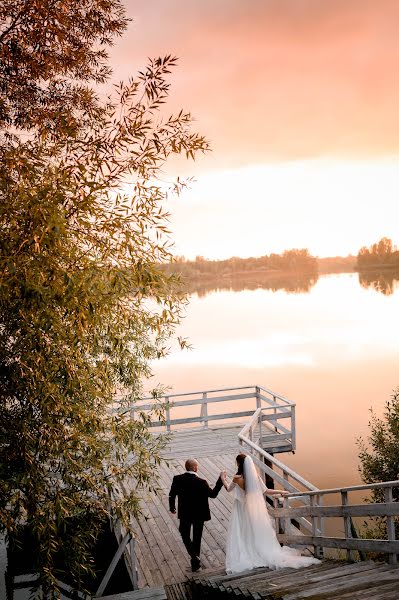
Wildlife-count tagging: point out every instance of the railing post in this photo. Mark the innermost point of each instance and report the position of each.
(294, 522)
(168, 427)
(285, 475)
(347, 525)
(204, 409)
(393, 557)
(293, 429)
(314, 501)
(276, 518)
(257, 394)
(269, 481)
(286, 520)
(321, 519)
(275, 413)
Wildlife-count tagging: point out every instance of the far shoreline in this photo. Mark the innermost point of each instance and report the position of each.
(202, 275)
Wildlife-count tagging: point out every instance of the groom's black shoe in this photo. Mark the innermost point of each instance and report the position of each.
(195, 564)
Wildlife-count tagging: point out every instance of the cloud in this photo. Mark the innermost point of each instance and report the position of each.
(277, 79)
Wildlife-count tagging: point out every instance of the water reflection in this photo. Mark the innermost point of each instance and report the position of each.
(294, 283)
(383, 281)
(334, 351)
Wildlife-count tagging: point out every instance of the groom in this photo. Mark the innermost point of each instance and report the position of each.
(193, 508)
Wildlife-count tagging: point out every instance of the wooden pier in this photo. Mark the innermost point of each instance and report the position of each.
(214, 438)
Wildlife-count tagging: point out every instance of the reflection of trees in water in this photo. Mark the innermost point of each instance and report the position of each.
(292, 283)
(384, 282)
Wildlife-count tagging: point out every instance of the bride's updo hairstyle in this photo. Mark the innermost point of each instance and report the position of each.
(240, 464)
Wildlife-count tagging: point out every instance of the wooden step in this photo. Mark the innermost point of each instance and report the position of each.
(179, 591)
(147, 593)
(331, 580)
(303, 578)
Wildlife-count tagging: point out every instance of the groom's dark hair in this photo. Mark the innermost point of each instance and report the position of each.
(240, 464)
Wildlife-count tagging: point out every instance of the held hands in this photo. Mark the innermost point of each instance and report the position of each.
(223, 475)
(283, 493)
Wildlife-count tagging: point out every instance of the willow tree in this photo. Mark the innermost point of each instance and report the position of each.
(84, 306)
(50, 53)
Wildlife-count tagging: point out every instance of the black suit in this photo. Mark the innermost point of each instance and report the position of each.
(193, 508)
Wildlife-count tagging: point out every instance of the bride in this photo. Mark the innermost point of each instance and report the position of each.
(251, 539)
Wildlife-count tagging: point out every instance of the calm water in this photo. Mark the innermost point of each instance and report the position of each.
(333, 350)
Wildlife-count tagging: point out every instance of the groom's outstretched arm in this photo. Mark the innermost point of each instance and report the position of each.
(172, 496)
(213, 492)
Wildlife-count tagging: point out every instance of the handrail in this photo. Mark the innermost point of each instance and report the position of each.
(249, 423)
(244, 387)
(275, 408)
(199, 401)
(277, 463)
(310, 516)
(315, 510)
(276, 395)
(352, 488)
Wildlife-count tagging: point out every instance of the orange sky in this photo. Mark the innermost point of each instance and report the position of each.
(275, 81)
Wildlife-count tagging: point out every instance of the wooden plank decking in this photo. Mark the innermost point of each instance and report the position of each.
(161, 556)
(331, 580)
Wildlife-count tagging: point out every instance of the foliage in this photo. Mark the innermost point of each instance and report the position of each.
(84, 304)
(50, 50)
(380, 254)
(292, 261)
(379, 460)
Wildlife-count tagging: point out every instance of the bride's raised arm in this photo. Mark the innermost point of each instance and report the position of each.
(228, 486)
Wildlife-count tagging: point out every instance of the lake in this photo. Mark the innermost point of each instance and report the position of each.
(334, 350)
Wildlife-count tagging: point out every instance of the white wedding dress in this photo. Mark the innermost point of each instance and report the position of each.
(251, 539)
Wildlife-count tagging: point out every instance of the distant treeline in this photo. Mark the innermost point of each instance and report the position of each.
(382, 254)
(294, 270)
(290, 261)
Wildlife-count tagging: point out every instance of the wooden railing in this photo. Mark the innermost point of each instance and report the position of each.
(318, 508)
(274, 470)
(278, 413)
(306, 512)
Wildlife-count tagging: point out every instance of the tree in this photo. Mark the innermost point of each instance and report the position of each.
(50, 51)
(379, 460)
(84, 304)
(382, 253)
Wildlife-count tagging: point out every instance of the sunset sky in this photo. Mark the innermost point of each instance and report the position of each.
(300, 101)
